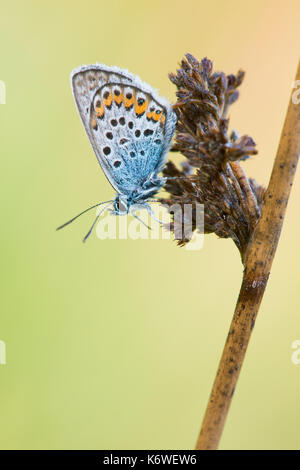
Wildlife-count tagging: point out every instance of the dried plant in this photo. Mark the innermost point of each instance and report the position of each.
(231, 201)
(234, 206)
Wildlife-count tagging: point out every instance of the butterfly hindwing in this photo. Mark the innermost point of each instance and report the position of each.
(128, 125)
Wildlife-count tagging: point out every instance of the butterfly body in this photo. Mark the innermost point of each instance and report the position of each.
(129, 126)
(139, 195)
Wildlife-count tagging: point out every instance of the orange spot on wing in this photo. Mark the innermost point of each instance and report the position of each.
(128, 102)
(118, 98)
(156, 117)
(149, 115)
(140, 109)
(99, 110)
(94, 124)
(107, 101)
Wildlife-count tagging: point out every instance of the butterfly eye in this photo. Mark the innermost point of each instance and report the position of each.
(137, 133)
(120, 205)
(109, 135)
(148, 132)
(117, 163)
(122, 121)
(130, 125)
(114, 122)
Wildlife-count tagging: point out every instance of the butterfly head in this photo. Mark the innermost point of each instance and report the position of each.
(121, 205)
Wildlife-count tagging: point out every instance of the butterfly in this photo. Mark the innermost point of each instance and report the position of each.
(130, 129)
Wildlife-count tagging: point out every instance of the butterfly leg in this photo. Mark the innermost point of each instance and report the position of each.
(151, 213)
(135, 208)
(187, 177)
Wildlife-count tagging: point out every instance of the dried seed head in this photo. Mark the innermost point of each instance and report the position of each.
(231, 201)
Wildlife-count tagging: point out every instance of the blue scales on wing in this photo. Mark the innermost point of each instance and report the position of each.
(129, 126)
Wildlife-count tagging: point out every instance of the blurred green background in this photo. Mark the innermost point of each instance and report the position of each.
(115, 344)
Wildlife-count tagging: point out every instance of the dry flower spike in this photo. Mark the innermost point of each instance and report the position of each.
(231, 201)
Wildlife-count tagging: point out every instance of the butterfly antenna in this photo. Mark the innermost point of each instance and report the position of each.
(86, 210)
(95, 221)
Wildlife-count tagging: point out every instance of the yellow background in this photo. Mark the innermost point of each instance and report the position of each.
(115, 344)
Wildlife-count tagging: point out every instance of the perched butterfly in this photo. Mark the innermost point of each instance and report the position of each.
(130, 128)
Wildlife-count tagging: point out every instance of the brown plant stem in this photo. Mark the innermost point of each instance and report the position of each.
(257, 261)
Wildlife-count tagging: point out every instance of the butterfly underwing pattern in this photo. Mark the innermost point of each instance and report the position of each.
(129, 126)
(130, 129)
